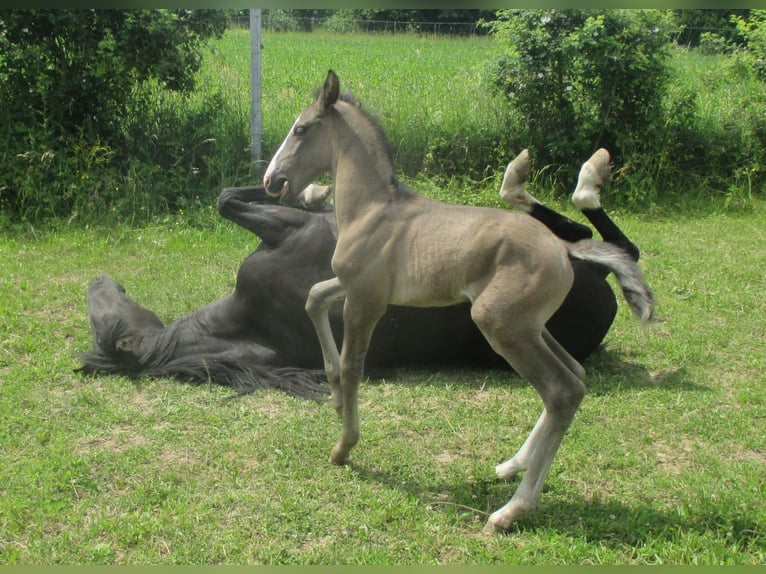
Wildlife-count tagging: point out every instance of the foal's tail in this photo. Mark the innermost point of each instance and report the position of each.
(629, 276)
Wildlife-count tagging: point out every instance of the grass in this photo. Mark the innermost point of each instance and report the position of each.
(436, 123)
(665, 463)
(446, 124)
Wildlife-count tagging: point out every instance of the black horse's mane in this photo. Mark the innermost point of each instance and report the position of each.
(204, 368)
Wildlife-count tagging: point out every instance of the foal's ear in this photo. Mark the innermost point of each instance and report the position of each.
(330, 90)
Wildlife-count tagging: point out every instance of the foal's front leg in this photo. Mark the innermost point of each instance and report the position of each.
(359, 322)
(320, 298)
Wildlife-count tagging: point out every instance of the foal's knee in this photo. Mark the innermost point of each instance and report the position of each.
(565, 400)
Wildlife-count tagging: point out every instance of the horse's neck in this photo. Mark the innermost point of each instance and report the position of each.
(363, 173)
(158, 346)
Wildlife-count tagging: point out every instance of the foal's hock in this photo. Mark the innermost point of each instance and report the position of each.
(397, 247)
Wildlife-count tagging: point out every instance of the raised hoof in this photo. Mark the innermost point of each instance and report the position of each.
(593, 174)
(512, 189)
(314, 196)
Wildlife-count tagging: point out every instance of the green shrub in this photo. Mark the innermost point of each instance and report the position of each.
(584, 79)
(753, 29)
(67, 84)
(711, 43)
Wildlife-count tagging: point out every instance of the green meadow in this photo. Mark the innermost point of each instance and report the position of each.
(665, 462)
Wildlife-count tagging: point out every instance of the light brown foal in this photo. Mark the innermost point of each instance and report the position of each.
(397, 247)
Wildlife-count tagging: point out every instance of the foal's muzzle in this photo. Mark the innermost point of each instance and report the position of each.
(275, 186)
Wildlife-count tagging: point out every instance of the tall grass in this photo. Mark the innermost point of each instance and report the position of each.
(434, 98)
(429, 92)
(449, 128)
(714, 139)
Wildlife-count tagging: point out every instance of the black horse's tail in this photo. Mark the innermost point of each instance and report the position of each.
(629, 276)
(213, 369)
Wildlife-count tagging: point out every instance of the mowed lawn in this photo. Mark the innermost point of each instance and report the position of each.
(665, 462)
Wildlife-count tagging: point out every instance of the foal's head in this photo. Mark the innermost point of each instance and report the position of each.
(307, 150)
(305, 153)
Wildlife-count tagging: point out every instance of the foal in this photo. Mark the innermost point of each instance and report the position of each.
(397, 247)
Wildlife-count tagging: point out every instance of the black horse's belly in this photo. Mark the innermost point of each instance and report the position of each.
(439, 336)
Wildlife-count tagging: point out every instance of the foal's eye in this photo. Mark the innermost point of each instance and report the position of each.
(299, 130)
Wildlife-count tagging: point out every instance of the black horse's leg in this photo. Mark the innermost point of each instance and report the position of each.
(561, 225)
(249, 194)
(586, 197)
(609, 231)
(513, 192)
(254, 210)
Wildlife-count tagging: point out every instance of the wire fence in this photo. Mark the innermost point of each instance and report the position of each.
(277, 21)
(280, 23)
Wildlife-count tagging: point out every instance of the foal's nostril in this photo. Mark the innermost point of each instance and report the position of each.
(274, 186)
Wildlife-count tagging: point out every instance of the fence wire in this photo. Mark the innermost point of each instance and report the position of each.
(278, 23)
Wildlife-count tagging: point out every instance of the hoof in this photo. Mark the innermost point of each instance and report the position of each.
(492, 528)
(502, 520)
(593, 174)
(339, 455)
(512, 189)
(314, 196)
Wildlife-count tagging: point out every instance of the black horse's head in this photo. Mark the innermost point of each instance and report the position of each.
(119, 328)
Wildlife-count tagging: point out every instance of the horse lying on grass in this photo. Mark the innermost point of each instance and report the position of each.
(261, 337)
(397, 247)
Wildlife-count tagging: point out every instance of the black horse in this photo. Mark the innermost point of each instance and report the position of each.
(261, 337)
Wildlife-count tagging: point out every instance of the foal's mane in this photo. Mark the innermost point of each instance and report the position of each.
(380, 135)
(373, 120)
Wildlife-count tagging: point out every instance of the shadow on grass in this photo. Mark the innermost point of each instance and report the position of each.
(611, 523)
(607, 372)
(640, 524)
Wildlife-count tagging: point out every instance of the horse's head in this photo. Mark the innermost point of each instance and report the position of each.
(119, 327)
(305, 153)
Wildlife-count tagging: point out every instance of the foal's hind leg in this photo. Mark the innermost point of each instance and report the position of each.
(523, 346)
(520, 460)
(562, 393)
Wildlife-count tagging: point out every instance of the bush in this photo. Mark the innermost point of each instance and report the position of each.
(584, 79)
(695, 25)
(753, 29)
(67, 81)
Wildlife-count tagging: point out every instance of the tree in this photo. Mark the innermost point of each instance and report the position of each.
(583, 79)
(753, 30)
(693, 24)
(71, 70)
